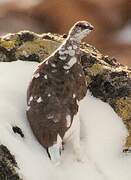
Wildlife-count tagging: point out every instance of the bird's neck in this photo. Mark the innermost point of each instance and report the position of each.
(72, 44)
(73, 40)
(69, 53)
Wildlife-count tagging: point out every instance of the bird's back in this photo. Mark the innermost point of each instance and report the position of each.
(53, 95)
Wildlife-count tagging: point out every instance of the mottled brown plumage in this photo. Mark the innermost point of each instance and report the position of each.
(58, 84)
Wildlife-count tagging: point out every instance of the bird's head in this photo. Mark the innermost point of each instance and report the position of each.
(80, 30)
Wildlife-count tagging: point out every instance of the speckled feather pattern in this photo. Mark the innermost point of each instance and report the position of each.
(60, 89)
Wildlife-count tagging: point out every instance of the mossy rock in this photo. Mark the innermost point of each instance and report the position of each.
(8, 165)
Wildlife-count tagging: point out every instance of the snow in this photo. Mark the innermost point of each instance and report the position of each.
(102, 135)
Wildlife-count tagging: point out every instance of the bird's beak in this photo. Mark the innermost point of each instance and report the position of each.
(91, 27)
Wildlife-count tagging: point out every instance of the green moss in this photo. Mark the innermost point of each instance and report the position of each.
(88, 80)
(128, 141)
(40, 47)
(88, 49)
(9, 41)
(123, 108)
(7, 44)
(96, 69)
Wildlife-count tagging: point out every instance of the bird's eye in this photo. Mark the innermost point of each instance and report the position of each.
(83, 26)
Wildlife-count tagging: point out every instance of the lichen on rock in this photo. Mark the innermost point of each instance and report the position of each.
(27, 46)
(8, 165)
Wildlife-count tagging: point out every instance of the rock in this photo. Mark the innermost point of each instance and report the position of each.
(26, 46)
(8, 165)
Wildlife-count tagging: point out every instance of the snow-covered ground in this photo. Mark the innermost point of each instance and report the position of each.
(101, 142)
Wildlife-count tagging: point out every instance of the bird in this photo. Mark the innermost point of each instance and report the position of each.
(57, 86)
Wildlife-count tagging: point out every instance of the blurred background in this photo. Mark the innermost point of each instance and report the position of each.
(111, 19)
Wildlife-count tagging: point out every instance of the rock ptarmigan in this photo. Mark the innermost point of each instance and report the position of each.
(57, 86)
